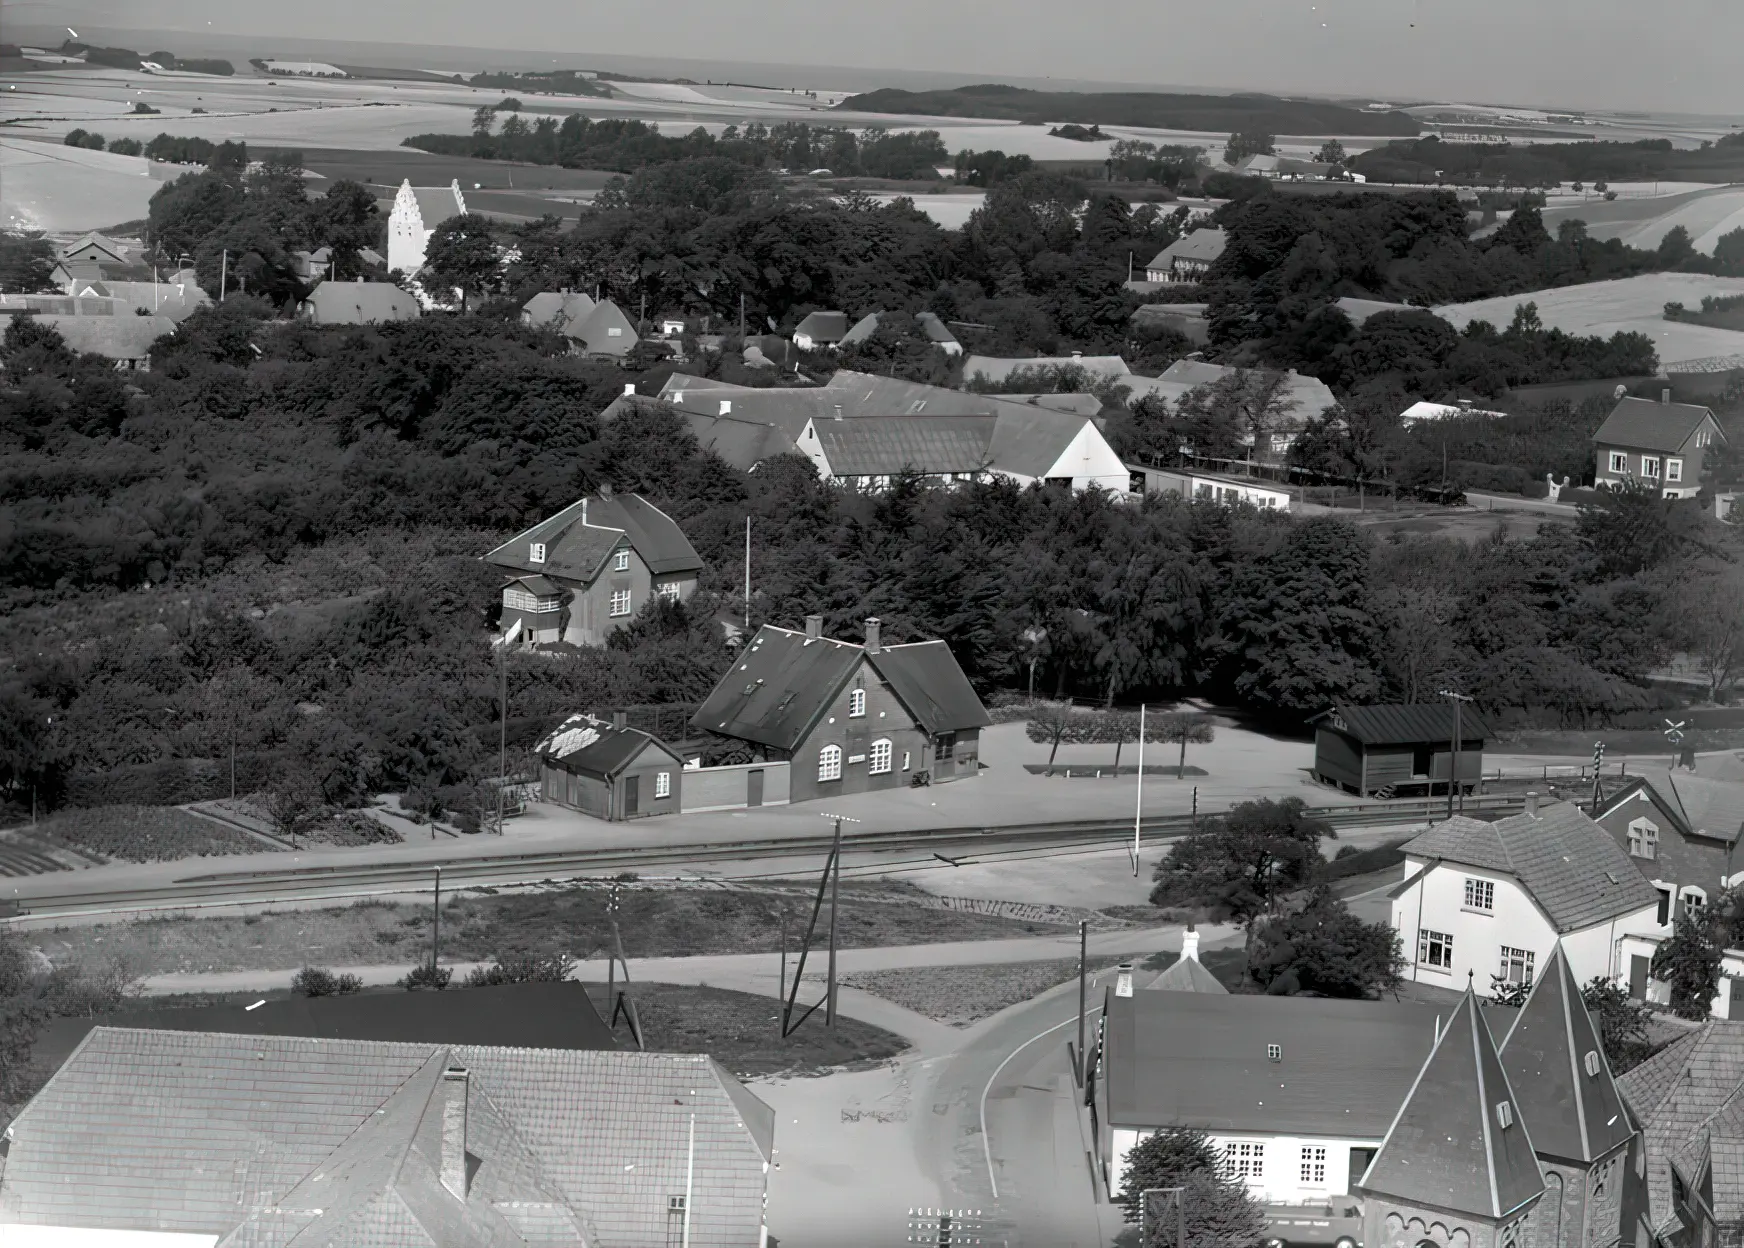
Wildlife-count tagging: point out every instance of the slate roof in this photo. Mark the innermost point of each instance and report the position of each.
(1408, 724)
(594, 747)
(1642, 424)
(823, 326)
(1205, 244)
(1570, 865)
(1188, 975)
(100, 242)
(1199, 1060)
(1029, 440)
(522, 1016)
(782, 682)
(359, 303)
(885, 445)
(113, 337)
(578, 539)
(1447, 1147)
(1706, 807)
(1723, 765)
(1692, 1091)
(997, 368)
(1575, 1113)
(176, 1131)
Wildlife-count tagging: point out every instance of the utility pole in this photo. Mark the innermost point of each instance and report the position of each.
(835, 906)
(747, 578)
(436, 922)
(741, 315)
(1083, 995)
(503, 739)
(1138, 814)
(1453, 763)
(224, 275)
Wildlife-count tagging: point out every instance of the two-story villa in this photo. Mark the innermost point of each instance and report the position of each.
(1661, 445)
(586, 571)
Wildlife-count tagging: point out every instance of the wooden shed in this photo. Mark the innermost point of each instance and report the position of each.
(1389, 751)
(608, 770)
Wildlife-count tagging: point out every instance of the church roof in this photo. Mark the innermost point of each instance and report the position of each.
(1459, 1142)
(1556, 1065)
(1188, 975)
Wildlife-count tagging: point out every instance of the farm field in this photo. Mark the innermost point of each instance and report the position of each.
(50, 187)
(1707, 214)
(1632, 303)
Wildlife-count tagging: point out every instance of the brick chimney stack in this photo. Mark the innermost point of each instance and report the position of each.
(620, 719)
(872, 640)
(814, 627)
(454, 1092)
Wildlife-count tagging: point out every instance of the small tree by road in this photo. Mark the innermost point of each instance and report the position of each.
(1240, 862)
(1215, 1212)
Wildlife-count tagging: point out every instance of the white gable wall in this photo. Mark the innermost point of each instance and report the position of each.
(812, 447)
(1292, 1169)
(1090, 461)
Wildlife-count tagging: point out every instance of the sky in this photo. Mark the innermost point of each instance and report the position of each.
(1664, 55)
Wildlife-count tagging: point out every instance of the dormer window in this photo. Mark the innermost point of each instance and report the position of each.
(622, 562)
(536, 552)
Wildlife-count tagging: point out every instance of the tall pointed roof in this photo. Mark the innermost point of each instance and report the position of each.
(1459, 1142)
(1188, 974)
(1557, 1067)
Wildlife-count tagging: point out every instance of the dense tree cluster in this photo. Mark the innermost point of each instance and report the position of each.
(1430, 161)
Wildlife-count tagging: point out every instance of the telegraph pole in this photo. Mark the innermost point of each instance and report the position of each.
(436, 921)
(1453, 763)
(1138, 815)
(1083, 993)
(835, 906)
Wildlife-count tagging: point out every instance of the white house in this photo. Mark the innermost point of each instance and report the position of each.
(1490, 900)
(416, 213)
(1188, 258)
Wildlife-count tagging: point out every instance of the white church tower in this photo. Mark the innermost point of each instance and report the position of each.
(416, 214)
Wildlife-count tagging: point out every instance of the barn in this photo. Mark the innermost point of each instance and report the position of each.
(1391, 751)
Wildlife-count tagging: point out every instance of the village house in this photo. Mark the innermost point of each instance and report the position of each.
(1388, 751)
(1681, 831)
(820, 330)
(178, 296)
(1297, 399)
(1188, 258)
(596, 328)
(1208, 487)
(358, 303)
(850, 718)
(585, 572)
(124, 339)
(608, 770)
(416, 213)
(936, 331)
(1489, 901)
(996, 370)
(97, 257)
(1660, 445)
(272, 1141)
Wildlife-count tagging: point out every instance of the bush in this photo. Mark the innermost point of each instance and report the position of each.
(427, 977)
(529, 969)
(313, 981)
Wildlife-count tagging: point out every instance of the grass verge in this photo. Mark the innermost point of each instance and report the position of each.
(960, 995)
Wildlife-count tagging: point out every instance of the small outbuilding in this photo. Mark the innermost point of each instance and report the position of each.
(609, 770)
(1387, 751)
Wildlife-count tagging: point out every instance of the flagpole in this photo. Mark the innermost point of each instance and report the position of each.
(1138, 813)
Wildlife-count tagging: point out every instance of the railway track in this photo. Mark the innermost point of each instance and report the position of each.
(316, 883)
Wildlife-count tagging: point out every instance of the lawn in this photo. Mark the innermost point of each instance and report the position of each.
(144, 834)
(960, 995)
(656, 922)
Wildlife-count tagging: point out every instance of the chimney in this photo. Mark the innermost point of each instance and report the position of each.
(1190, 943)
(1123, 980)
(838, 411)
(605, 491)
(629, 387)
(872, 627)
(1532, 804)
(454, 1081)
(1077, 355)
(620, 719)
(814, 627)
(1665, 395)
(1465, 405)
(726, 407)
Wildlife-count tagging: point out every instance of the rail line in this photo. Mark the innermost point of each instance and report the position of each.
(342, 881)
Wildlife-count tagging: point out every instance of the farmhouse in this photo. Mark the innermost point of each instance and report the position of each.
(583, 573)
(1022, 444)
(1383, 750)
(852, 719)
(358, 303)
(1187, 258)
(1490, 900)
(819, 330)
(1298, 398)
(416, 213)
(1659, 445)
(936, 331)
(125, 340)
(558, 309)
(178, 297)
(608, 770)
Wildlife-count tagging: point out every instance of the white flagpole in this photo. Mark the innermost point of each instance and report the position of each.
(1138, 814)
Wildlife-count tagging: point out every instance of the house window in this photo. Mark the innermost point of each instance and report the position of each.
(1650, 465)
(620, 602)
(905, 760)
(1643, 839)
(663, 784)
(1244, 1159)
(878, 762)
(622, 562)
(1313, 1166)
(1435, 949)
(535, 552)
(830, 763)
(1517, 966)
(856, 703)
(1674, 470)
(614, 332)
(669, 590)
(1619, 461)
(944, 746)
(1663, 915)
(1480, 895)
(1694, 902)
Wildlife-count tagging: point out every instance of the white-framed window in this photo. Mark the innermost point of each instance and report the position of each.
(1693, 901)
(535, 552)
(1663, 915)
(1313, 1165)
(830, 763)
(878, 760)
(1619, 461)
(518, 599)
(1435, 949)
(1480, 894)
(1674, 470)
(856, 703)
(620, 602)
(1643, 839)
(1244, 1159)
(1650, 465)
(614, 331)
(621, 563)
(1517, 966)
(669, 589)
(905, 760)
(663, 784)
